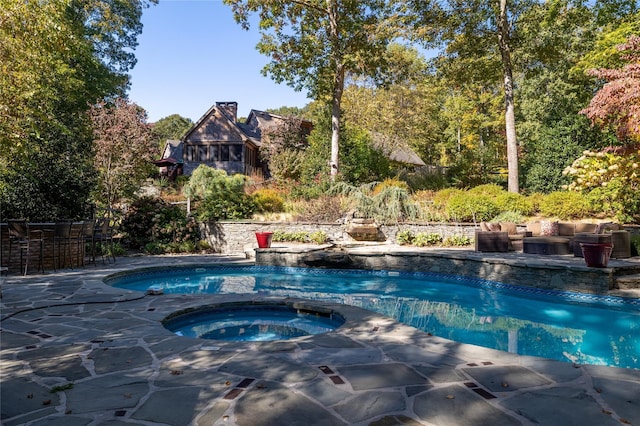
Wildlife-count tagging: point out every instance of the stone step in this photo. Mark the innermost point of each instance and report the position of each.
(628, 281)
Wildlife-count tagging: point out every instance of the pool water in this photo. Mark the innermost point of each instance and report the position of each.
(565, 326)
(251, 323)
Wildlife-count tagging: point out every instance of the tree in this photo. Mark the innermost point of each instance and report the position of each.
(56, 58)
(173, 126)
(315, 44)
(124, 148)
(479, 41)
(617, 104)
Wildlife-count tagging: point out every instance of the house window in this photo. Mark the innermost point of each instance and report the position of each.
(235, 153)
(214, 153)
(190, 152)
(224, 152)
(202, 152)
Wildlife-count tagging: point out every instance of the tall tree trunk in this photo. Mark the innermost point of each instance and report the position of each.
(510, 117)
(338, 89)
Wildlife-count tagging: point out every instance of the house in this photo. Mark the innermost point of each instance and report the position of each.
(218, 140)
(171, 163)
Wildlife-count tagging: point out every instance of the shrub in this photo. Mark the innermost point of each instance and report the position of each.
(298, 236)
(423, 239)
(218, 195)
(565, 205)
(318, 237)
(323, 209)
(471, 207)
(509, 216)
(635, 245)
(405, 237)
(488, 189)
(508, 201)
(268, 201)
(441, 198)
(151, 220)
(458, 240)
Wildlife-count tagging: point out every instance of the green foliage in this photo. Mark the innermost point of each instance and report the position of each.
(268, 200)
(509, 216)
(173, 126)
(219, 196)
(488, 189)
(516, 203)
(615, 199)
(441, 198)
(158, 226)
(423, 239)
(405, 237)
(565, 205)
(317, 237)
(293, 236)
(470, 207)
(635, 245)
(457, 240)
(387, 203)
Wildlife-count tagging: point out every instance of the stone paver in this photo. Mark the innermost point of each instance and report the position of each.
(75, 351)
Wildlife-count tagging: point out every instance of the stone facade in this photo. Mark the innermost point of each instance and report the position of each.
(238, 237)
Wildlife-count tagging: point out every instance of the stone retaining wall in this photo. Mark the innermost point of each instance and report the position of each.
(238, 237)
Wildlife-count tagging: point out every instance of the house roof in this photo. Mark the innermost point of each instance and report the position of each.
(396, 149)
(172, 152)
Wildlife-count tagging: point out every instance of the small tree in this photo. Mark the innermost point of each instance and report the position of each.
(617, 104)
(218, 195)
(124, 148)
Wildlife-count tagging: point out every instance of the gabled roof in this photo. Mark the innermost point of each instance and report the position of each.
(396, 150)
(172, 153)
(220, 114)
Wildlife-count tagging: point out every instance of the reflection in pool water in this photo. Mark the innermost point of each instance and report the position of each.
(564, 326)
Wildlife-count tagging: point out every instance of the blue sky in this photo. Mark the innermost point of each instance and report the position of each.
(191, 54)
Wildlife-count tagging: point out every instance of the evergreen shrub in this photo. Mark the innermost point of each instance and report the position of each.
(471, 207)
(565, 205)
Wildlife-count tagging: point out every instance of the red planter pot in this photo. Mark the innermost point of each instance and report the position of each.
(264, 239)
(596, 255)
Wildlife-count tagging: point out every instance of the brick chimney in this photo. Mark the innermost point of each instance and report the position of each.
(229, 109)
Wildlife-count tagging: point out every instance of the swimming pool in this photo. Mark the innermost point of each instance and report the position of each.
(573, 327)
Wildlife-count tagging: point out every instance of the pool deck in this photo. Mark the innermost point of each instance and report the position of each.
(75, 351)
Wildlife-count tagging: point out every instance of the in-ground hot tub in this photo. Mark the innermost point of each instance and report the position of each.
(253, 321)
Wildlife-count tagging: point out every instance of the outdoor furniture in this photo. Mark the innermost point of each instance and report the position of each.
(492, 241)
(588, 238)
(546, 245)
(21, 235)
(621, 241)
(103, 234)
(86, 238)
(514, 237)
(62, 244)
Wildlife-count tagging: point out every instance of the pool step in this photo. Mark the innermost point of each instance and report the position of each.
(628, 281)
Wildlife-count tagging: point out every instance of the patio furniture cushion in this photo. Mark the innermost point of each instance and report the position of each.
(549, 228)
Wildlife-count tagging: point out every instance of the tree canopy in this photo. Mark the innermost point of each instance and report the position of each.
(315, 44)
(56, 58)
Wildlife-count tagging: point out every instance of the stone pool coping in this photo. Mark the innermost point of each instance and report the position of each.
(76, 351)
